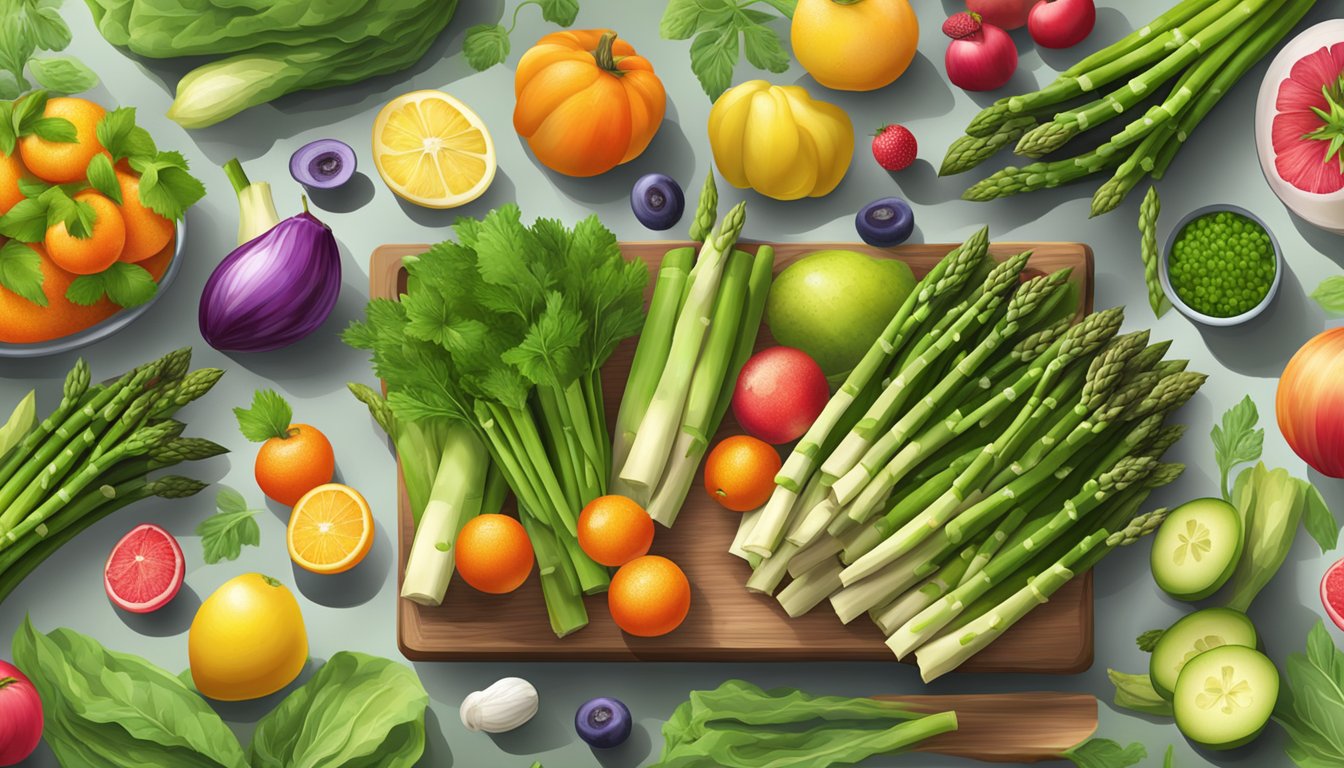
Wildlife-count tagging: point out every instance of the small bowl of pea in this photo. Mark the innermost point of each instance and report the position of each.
(1222, 266)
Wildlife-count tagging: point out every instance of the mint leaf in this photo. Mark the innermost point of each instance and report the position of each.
(1148, 640)
(119, 135)
(46, 27)
(26, 110)
(16, 46)
(9, 138)
(103, 177)
(714, 53)
(33, 187)
(62, 74)
(86, 290)
(562, 12)
(54, 129)
(26, 221)
(166, 185)
(1318, 520)
(485, 46)
(21, 272)
(1237, 440)
(126, 285)
(10, 88)
(1330, 294)
(77, 215)
(764, 49)
(224, 534)
(269, 416)
(1104, 753)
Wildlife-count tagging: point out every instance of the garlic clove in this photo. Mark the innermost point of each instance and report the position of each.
(507, 704)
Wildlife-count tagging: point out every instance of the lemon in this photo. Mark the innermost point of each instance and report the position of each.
(247, 640)
(432, 150)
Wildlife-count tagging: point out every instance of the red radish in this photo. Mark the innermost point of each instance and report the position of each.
(1004, 14)
(20, 716)
(1299, 125)
(780, 392)
(981, 57)
(1061, 23)
(1332, 593)
(145, 570)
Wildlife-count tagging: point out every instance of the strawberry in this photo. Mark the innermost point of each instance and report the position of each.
(962, 25)
(894, 147)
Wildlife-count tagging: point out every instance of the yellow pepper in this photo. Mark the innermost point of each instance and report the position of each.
(778, 141)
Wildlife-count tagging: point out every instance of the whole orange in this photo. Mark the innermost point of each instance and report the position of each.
(493, 553)
(65, 162)
(146, 231)
(613, 530)
(649, 596)
(11, 171)
(95, 253)
(740, 472)
(289, 467)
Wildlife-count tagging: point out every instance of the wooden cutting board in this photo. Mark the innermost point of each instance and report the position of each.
(726, 622)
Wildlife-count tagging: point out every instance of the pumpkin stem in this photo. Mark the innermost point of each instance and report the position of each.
(603, 55)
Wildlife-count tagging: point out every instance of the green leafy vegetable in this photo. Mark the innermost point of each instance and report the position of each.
(1237, 440)
(358, 710)
(29, 219)
(116, 710)
(103, 177)
(269, 416)
(223, 535)
(120, 136)
(1104, 753)
(714, 28)
(1311, 703)
(488, 44)
(30, 26)
(126, 285)
(62, 74)
(21, 271)
(1148, 640)
(1136, 692)
(1330, 294)
(166, 184)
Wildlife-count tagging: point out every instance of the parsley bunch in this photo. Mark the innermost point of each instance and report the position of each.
(507, 330)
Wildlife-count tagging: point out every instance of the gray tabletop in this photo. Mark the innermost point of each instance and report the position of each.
(356, 611)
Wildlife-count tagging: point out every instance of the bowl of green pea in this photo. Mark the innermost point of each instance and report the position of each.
(1222, 266)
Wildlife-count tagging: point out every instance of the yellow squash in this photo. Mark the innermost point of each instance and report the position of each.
(247, 640)
(854, 45)
(778, 141)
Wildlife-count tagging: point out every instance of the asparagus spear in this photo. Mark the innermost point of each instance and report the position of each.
(1148, 213)
(967, 152)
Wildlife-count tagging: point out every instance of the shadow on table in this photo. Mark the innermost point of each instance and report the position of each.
(356, 586)
(501, 191)
(350, 196)
(437, 752)
(1262, 346)
(172, 619)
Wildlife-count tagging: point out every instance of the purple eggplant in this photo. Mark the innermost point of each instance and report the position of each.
(273, 290)
(603, 722)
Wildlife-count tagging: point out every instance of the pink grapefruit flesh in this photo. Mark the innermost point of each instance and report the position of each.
(1332, 593)
(1301, 161)
(145, 570)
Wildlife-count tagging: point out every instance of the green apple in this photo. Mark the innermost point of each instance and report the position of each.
(834, 304)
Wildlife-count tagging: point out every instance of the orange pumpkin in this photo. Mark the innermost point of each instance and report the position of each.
(586, 101)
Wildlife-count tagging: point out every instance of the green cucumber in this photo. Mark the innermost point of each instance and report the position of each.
(1197, 548)
(1225, 696)
(1193, 635)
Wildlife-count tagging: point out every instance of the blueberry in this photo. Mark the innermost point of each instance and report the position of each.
(603, 722)
(657, 201)
(885, 222)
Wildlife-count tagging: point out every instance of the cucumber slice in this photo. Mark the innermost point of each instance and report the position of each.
(1193, 635)
(1197, 548)
(1225, 696)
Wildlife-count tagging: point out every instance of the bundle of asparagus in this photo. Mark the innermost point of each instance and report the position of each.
(92, 456)
(1207, 45)
(985, 451)
(701, 328)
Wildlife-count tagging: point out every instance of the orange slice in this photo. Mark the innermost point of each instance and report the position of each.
(432, 150)
(330, 529)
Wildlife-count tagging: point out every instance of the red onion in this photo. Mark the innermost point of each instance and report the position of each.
(273, 290)
(20, 716)
(981, 57)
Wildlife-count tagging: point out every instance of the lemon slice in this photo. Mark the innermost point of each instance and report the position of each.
(432, 150)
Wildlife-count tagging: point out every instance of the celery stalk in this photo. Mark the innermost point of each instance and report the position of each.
(454, 500)
(256, 207)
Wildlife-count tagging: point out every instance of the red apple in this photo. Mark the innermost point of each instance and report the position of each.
(1061, 23)
(1004, 14)
(779, 393)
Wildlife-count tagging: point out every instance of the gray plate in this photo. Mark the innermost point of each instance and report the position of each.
(107, 327)
(1196, 315)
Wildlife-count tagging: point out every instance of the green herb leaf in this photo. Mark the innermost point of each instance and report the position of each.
(1104, 753)
(9, 138)
(562, 12)
(57, 130)
(103, 177)
(126, 285)
(1330, 294)
(764, 49)
(223, 535)
(17, 46)
(21, 272)
(485, 46)
(681, 18)
(785, 7)
(713, 55)
(1237, 440)
(77, 215)
(1148, 640)
(62, 74)
(26, 221)
(166, 184)
(1136, 692)
(269, 416)
(32, 187)
(10, 88)
(48, 30)
(119, 135)
(1318, 520)
(27, 109)
(1311, 703)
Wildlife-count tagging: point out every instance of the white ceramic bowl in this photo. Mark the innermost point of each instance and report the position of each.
(107, 327)
(1200, 317)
